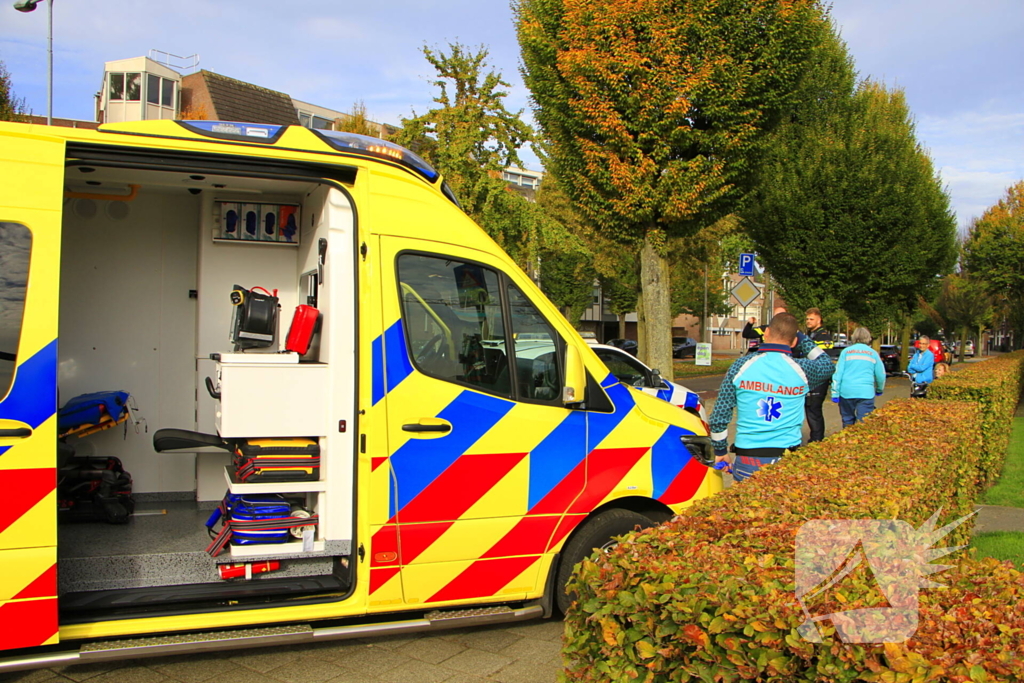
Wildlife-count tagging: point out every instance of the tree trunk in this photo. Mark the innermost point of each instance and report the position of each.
(905, 344)
(641, 328)
(622, 325)
(657, 307)
(963, 343)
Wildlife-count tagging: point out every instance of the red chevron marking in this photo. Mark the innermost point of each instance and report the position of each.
(384, 540)
(43, 586)
(380, 576)
(606, 467)
(418, 537)
(568, 523)
(27, 624)
(528, 537)
(483, 578)
(460, 486)
(377, 462)
(22, 490)
(561, 496)
(685, 484)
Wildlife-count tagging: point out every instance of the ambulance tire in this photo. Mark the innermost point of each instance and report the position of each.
(596, 533)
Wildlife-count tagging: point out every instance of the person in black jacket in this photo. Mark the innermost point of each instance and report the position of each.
(754, 333)
(816, 394)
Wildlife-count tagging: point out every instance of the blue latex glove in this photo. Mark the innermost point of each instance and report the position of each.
(835, 399)
(878, 393)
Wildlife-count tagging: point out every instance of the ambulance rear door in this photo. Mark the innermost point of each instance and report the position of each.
(31, 196)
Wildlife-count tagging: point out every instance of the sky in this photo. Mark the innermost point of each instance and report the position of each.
(958, 62)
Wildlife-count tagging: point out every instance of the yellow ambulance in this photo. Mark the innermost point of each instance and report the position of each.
(457, 446)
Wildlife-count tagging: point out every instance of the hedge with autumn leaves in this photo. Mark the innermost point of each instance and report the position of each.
(995, 385)
(711, 595)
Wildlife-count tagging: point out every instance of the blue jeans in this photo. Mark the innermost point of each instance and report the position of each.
(854, 410)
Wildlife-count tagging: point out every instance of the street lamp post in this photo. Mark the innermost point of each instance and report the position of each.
(30, 6)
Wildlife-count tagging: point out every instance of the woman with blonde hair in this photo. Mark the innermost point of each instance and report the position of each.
(858, 379)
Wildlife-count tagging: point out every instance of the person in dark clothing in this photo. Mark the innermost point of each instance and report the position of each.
(816, 394)
(753, 333)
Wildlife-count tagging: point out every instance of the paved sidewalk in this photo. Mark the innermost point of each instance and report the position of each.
(999, 518)
(528, 652)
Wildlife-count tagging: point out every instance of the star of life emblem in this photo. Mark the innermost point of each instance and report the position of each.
(769, 409)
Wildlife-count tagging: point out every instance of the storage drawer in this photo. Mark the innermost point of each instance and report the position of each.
(266, 399)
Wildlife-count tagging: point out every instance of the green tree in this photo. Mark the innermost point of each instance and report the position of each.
(965, 306)
(470, 137)
(654, 110)
(359, 122)
(697, 265)
(848, 212)
(994, 252)
(12, 108)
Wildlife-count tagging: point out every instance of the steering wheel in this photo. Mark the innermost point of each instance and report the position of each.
(432, 349)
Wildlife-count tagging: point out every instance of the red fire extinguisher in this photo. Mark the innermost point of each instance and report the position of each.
(234, 571)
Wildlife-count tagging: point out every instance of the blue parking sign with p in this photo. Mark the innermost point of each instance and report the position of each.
(746, 264)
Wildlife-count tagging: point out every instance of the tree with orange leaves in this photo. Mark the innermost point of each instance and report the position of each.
(654, 110)
(994, 252)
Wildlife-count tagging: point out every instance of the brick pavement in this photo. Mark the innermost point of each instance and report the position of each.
(525, 652)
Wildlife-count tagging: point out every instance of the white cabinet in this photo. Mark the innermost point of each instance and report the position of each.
(271, 395)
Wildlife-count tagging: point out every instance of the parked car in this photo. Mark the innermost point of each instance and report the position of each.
(632, 372)
(590, 338)
(969, 351)
(628, 345)
(684, 347)
(890, 358)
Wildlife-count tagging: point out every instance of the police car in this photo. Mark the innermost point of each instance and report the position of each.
(628, 370)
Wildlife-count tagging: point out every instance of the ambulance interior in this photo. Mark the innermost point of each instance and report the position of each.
(149, 259)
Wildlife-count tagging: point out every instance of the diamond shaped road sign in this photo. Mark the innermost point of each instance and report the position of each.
(745, 292)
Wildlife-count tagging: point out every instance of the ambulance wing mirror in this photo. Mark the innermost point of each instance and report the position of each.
(575, 376)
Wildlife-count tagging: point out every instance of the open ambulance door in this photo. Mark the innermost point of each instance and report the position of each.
(30, 224)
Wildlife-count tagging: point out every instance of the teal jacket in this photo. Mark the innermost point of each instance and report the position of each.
(859, 373)
(767, 390)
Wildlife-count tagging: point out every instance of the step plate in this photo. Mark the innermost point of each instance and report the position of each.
(190, 642)
(441, 615)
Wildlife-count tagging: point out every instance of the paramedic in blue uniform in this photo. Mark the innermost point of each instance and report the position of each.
(859, 378)
(767, 389)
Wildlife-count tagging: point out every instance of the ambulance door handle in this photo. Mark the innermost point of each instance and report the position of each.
(418, 427)
(14, 429)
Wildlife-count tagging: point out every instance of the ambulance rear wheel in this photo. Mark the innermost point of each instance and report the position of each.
(596, 533)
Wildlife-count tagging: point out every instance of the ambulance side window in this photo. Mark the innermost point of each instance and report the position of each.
(536, 350)
(453, 318)
(15, 247)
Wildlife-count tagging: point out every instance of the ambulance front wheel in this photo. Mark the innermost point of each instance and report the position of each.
(596, 533)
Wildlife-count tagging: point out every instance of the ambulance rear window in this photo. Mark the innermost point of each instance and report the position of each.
(15, 247)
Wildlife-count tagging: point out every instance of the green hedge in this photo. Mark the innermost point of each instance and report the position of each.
(995, 385)
(711, 596)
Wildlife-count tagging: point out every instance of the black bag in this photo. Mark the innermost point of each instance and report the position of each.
(94, 489)
(277, 460)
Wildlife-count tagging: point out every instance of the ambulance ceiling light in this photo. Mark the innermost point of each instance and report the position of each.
(376, 147)
(234, 130)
